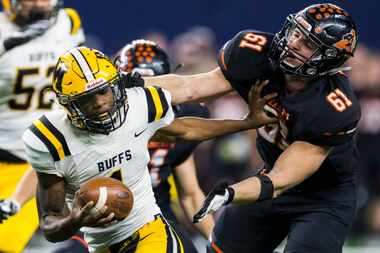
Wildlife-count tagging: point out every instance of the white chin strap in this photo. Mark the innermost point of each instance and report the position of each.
(336, 70)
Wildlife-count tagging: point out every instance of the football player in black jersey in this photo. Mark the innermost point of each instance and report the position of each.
(307, 190)
(148, 59)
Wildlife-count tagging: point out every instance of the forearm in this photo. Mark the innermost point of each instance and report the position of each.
(58, 228)
(298, 162)
(190, 206)
(198, 129)
(26, 188)
(247, 190)
(192, 88)
(56, 222)
(175, 84)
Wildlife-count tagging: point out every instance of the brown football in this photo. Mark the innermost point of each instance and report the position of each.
(107, 191)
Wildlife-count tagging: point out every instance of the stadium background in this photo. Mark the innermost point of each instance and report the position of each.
(203, 26)
(118, 21)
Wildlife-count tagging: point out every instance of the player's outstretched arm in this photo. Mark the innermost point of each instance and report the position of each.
(187, 88)
(191, 195)
(298, 162)
(56, 222)
(295, 164)
(199, 129)
(25, 190)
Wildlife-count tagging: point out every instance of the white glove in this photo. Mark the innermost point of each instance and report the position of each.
(8, 208)
(221, 195)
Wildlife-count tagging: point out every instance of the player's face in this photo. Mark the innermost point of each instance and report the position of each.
(39, 9)
(96, 106)
(301, 48)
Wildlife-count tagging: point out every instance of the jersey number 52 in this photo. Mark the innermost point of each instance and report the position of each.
(28, 92)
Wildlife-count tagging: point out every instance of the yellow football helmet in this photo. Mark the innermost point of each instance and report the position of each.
(82, 73)
(12, 9)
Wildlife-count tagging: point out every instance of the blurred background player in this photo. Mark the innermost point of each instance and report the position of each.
(33, 34)
(148, 59)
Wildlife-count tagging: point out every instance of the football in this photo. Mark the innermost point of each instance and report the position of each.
(107, 191)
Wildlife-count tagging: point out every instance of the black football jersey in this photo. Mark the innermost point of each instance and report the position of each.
(325, 113)
(164, 157)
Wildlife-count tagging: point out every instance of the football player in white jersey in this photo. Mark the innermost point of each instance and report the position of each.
(33, 33)
(103, 130)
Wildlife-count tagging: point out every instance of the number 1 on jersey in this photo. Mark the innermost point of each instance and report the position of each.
(253, 41)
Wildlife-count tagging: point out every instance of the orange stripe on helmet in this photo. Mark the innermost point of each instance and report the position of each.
(222, 60)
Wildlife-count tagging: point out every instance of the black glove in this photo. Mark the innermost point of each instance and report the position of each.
(221, 195)
(7, 209)
(132, 80)
(28, 33)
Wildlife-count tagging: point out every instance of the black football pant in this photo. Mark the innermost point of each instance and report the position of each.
(261, 227)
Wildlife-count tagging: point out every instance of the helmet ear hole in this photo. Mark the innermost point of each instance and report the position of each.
(331, 52)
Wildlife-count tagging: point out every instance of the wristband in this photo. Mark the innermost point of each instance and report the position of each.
(267, 188)
(231, 195)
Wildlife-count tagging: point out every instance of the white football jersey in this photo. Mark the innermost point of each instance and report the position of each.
(25, 75)
(55, 146)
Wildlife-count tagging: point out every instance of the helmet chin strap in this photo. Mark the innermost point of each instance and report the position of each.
(336, 70)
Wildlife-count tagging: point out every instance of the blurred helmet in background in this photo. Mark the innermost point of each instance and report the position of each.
(144, 57)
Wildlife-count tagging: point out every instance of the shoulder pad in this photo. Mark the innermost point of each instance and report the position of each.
(76, 23)
(337, 114)
(245, 56)
(52, 138)
(157, 102)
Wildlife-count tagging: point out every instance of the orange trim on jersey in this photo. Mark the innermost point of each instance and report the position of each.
(222, 60)
(80, 239)
(216, 248)
(155, 145)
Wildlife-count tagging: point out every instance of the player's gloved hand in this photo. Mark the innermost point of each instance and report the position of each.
(221, 195)
(8, 208)
(28, 33)
(133, 79)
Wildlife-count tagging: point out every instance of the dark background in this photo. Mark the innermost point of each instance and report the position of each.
(116, 22)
